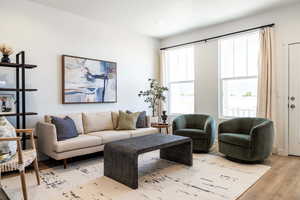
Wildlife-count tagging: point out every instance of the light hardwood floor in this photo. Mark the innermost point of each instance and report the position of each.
(281, 182)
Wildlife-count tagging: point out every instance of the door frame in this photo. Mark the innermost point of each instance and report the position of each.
(287, 138)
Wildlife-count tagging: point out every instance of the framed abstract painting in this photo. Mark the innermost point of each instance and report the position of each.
(86, 80)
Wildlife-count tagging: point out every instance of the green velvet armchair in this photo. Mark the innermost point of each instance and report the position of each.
(200, 128)
(246, 139)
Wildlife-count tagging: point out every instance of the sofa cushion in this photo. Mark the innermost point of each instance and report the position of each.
(76, 117)
(115, 119)
(99, 121)
(65, 128)
(192, 133)
(110, 136)
(141, 121)
(242, 140)
(143, 131)
(80, 142)
(127, 121)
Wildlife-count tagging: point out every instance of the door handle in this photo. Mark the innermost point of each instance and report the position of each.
(293, 106)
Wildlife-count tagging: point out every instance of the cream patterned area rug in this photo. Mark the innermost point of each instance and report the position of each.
(212, 177)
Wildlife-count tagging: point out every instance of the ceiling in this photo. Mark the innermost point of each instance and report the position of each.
(163, 18)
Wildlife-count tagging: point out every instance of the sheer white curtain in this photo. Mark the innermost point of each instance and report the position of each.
(267, 89)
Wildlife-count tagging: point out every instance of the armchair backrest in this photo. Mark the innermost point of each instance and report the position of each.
(241, 125)
(194, 121)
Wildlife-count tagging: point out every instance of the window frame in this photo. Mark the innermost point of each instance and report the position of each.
(220, 79)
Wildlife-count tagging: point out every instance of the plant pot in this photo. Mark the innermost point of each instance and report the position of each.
(5, 59)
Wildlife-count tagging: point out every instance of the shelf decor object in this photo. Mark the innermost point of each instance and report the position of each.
(86, 80)
(6, 52)
(19, 109)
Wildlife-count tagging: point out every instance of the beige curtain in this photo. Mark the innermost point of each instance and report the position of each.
(267, 89)
(266, 76)
(162, 78)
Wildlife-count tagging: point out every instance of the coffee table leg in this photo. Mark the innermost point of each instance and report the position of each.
(181, 153)
(121, 167)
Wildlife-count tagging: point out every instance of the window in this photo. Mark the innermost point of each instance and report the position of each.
(180, 80)
(238, 70)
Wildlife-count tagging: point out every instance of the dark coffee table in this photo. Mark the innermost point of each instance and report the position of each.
(121, 157)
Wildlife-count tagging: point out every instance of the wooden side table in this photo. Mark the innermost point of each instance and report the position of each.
(160, 126)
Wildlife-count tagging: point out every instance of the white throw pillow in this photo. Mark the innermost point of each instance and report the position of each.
(7, 148)
(99, 121)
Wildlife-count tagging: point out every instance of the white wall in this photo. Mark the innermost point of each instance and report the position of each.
(206, 71)
(287, 30)
(47, 33)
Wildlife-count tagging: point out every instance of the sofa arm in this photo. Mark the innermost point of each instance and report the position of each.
(210, 129)
(262, 137)
(47, 137)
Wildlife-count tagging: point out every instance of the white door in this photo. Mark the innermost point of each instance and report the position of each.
(294, 99)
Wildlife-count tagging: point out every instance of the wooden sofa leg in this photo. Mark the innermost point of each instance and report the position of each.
(65, 163)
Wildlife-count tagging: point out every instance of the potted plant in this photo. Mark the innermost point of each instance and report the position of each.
(153, 96)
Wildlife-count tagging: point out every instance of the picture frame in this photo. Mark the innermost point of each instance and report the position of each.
(7, 104)
(86, 80)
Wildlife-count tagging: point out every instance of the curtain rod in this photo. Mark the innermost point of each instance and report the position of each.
(219, 36)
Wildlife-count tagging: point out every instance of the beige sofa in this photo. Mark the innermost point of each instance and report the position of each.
(95, 130)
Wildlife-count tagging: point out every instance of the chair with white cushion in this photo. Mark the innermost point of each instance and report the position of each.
(22, 159)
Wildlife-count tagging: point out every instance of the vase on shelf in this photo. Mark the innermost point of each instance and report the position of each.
(5, 59)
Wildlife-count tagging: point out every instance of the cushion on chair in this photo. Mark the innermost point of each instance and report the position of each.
(82, 141)
(65, 128)
(7, 148)
(13, 164)
(242, 140)
(192, 133)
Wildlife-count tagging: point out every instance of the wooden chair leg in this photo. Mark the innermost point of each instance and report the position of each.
(37, 171)
(24, 187)
(65, 163)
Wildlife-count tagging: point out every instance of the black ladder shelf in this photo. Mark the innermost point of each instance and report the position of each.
(20, 90)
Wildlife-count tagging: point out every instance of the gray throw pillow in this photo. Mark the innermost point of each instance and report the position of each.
(141, 120)
(65, 128)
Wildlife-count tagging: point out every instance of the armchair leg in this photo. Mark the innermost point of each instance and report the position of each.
(37, 172)
(65, 163)
(24, 187)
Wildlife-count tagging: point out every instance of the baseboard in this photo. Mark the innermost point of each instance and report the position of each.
(282, 152)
